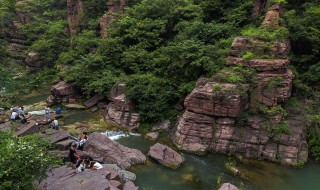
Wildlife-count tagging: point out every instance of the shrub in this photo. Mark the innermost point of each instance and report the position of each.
(266, 33)
(248, 55)
(22, 160)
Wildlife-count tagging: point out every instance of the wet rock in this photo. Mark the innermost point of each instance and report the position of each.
(123, 174)
(152, 136)
(130, 186)
(228, 186)
(113, 152)
(164, 126)
(165, 156)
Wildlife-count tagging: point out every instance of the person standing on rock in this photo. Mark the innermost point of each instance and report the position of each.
(47, 114)
(73, 156)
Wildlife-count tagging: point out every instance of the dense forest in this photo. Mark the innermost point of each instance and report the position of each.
(159, 48)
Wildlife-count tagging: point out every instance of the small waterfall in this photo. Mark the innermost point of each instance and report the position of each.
(115, 135)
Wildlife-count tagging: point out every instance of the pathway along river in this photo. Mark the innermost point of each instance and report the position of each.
(202, 172)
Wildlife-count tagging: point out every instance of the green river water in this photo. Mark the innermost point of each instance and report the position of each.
(202, 172)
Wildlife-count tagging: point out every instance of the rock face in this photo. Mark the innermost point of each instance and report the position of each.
(113, 152)
(228, 186)
(259, 5)
(119, 111)
(165, 156)
(113, 7)
(61, 92)
(273, 16)
(66, 178)
(23, 12)
(75, 10)
(217, 116)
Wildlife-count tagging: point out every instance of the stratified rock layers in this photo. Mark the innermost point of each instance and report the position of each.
(214, 117)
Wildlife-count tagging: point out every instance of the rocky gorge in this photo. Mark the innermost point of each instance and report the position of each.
(186, 104)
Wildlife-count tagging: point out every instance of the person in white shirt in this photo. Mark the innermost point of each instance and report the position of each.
(47, 114)
(14, 116)
(95, 165)
(54, 124)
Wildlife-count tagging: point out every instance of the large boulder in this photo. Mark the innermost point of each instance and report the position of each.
(120, 110)
(166, 156)
(60, 92)
(113, 152)
(55, 136)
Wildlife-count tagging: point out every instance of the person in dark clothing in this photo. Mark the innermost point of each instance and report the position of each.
(73, 155)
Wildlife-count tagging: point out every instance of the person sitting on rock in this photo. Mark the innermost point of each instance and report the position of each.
(95, 165)
(14, 116)
(81, 166)
(23, 119)
(54, 124)
(82, 140)
(73, 155)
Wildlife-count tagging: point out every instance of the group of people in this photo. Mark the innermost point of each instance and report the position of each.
(77, 162)
(18, 113)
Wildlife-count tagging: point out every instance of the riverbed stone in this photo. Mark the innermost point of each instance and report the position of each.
(164, 126)
(75, 106)
(166, 156)
(55, 136)
(113, 152)
(129, 185)
(152, 136)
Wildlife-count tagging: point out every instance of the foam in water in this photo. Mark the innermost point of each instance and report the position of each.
(115, 135)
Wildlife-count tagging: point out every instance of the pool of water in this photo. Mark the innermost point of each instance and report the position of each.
(202, 173)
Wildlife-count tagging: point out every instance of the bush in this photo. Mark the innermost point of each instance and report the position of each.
(266, 33)
(248, 55)
(152, 96)
(22, 160)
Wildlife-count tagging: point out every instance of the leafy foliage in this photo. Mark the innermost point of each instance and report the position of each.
(22, 160)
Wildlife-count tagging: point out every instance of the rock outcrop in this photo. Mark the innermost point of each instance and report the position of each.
(113, 7)
(61, 92)
(259, 6)
(113, 152)
(246, 119)
(67, 178)
(166, 156)
(75, 12)
(120, 110)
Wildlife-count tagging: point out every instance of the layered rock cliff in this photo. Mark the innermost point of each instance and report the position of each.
(244, 114)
